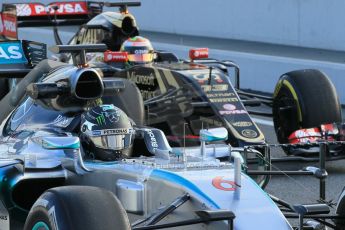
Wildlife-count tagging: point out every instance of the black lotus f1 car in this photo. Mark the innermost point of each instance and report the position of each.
(183, 96)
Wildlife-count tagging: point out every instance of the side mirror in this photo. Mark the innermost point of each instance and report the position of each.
(65, 143)
(71, 146)
(211, 135)
(214, 134)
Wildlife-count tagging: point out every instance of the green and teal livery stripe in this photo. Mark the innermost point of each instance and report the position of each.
(48, 145)
(40, 226)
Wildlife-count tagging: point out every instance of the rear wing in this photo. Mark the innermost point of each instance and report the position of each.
(8, 23)
(18, 57)
(62, 12)
(66, 13)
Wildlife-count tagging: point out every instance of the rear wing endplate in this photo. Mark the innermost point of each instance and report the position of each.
(18, 57)
(8, 23)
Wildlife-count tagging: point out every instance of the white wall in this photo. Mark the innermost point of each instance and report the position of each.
(307, 23)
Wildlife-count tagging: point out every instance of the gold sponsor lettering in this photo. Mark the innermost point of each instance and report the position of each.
(220, 95)
(218, 87)
(205, 77)
(229, 99)
(142, 79)
(242, 111)
(242, 124)
(146, 94)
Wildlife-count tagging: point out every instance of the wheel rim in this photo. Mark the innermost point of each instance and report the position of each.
(40, 226)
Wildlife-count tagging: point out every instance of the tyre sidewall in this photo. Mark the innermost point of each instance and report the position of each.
(39, 214)
(282, 90)
(316, 100)
(79, 208)
(49, 210)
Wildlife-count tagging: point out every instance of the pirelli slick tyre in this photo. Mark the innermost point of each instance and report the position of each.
(77, 208)
(4, 89)
(303, 99)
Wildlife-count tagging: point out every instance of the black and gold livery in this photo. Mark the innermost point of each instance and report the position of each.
(181, 97)
(184, 96)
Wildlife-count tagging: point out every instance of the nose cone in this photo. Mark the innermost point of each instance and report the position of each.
(251, 205)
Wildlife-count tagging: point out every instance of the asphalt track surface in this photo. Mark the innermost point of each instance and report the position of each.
(294, 189)
(302, 189)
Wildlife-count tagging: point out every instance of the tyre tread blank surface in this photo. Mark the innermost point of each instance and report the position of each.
(317, 98)
(83, 208)
(320, 103)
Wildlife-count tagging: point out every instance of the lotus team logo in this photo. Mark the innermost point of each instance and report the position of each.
(229, 107)
(249, 133)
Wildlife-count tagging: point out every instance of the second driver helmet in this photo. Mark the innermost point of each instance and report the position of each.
(107, 133)
(139, 50)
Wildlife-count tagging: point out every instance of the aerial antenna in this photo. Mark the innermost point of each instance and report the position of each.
(210, 75)
(55, 24)
(123, 6)
(184, 159)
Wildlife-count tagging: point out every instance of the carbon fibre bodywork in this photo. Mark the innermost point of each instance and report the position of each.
(180, 93)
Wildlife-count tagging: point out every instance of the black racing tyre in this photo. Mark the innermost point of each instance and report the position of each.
(77, 208)
(15, 95)
(4, 89)
(340, 210)
(303, 99)
(130, 101)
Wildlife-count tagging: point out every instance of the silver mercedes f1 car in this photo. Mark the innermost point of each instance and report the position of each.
(71, 158)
